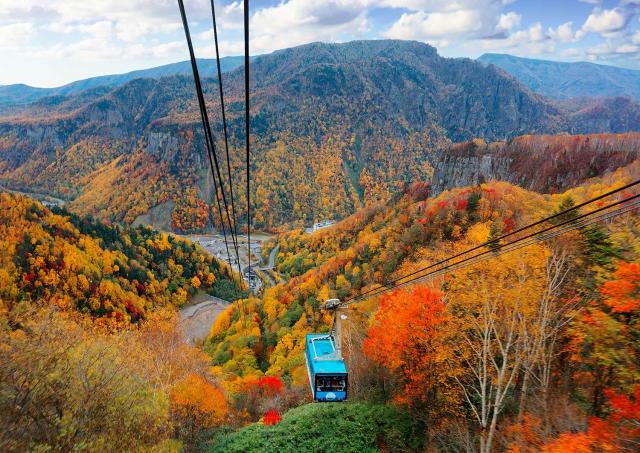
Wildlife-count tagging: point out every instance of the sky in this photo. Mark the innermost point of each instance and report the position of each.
(53, 42)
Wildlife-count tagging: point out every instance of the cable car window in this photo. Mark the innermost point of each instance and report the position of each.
(330, 383)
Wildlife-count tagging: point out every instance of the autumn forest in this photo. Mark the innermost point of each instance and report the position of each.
(108, 212)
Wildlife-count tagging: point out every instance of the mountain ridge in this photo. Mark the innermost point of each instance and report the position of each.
(18, 94)
(565, 80)
(355, 120)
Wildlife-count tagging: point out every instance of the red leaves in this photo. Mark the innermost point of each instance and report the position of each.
(140, 288)
(622, 295)
(406, 337)
(626, 411)
(508, 225)
(271, 385)
(133, 311)
(461, 204)
(272, 417)
(619, 432)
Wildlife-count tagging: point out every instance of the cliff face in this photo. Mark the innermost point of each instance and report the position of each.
(539, 163)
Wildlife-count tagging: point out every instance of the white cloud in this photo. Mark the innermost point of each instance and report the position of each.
(116, 31)
(16, 35)
(627, 48)
(461, 19)
(423, 26)
(100, 30)
(129, 17)
(231, 17)
(300, 21)
(532, 41)
(564, 33)
(607, 20)
(509, 21)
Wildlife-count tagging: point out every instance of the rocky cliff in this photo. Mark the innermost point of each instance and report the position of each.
(540, 163)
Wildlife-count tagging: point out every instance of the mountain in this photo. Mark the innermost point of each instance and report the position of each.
(336, 127)
(559, 80)
(613, 114)
(18, 94)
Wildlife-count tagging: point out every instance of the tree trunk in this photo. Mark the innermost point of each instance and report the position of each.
(523, 395)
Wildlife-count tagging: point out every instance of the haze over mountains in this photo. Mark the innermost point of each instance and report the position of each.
(560, 80)
(337, 126)
(18, 94)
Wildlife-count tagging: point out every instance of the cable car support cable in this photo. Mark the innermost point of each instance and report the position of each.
(496, 241)
(578, 222)
(211, 154)
(224, 128)
(247, 124)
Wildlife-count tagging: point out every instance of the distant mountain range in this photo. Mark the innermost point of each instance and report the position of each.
(23, 94)
(335, 127)
(560, 80)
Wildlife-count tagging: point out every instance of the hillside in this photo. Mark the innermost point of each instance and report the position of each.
(357, 120)
(418, 347)
(12, 96)
(112, 273)
(560, 80)
(614, 114)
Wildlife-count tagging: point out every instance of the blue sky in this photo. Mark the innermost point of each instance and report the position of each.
(54, 42)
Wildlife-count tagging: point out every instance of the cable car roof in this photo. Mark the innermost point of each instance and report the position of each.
(322, 354)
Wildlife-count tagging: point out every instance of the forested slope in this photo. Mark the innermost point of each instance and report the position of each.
(92, 353)
(358, 120)
(562, 318)
(110, 272)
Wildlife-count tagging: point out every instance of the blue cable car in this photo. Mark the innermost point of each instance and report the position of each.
(326, 368)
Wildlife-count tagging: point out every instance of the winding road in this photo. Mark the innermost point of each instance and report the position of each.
(272, 258)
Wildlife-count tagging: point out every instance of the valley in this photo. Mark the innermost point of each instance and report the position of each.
(214, 243)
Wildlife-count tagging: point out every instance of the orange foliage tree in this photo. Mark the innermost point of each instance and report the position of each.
(409, 338)
(604, 337)
(620, 432)
(197, 404)
(256, 396)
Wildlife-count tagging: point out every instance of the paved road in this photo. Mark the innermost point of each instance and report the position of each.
(196, 319)
(272, 257)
